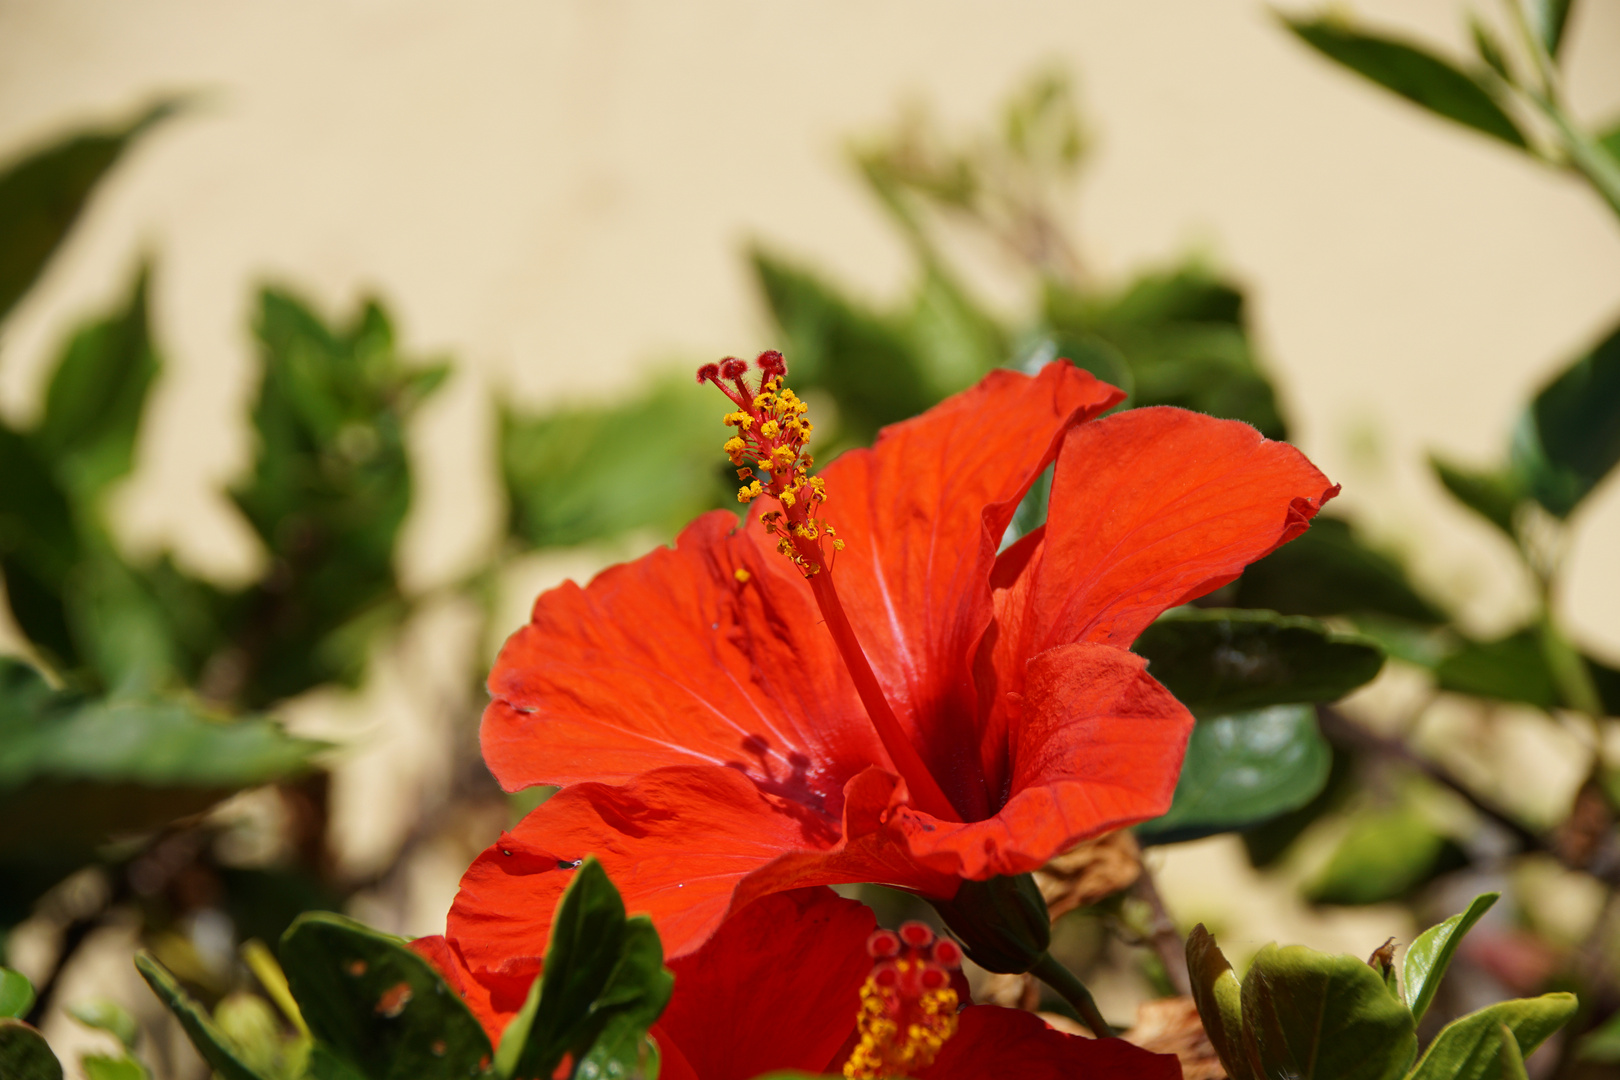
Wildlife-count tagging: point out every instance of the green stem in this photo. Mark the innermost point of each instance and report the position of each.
(1061, 979)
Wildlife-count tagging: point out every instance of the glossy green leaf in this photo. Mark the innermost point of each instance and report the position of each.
(577, 475)
(1329, 571)
(1218, 996)
(1312, 1016)
(199, 1027)
(1412, 72)
(1471, 1048)
(1225, 660)
(1549, 18)
(1569, 438)
(73, 769)
(43, 193)
(1385, 855)
(16, 994)
(382, 1008)
(603, 979)
(1494, 496)
(102, 1067)
(1243, 768)
(1427, 958)
(24, 1054)
(107, 1015)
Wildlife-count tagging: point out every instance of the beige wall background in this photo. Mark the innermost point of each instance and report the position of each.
(557, 194)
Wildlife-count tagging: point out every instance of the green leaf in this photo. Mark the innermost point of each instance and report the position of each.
(200, 1028)
(1489, 48)
(1511, 668)
(1610, 141)
(1385, 855)
(1413, 73)
(95, 400)
(1472, 1048)
(868, 363)
(73, 769)
(1328, 571)
(576, 475)
(1218, 995)
(39, 547)
(16, 994)
(1569, 438)
(102, 1067)
(107, 1015)
(603, 982)
(1244, 768)
(1217, 660)
(1494, 496)
(382, 1008)
(1428, 957)
(1313, 1016)
(328, 492)
(42, 194)
(24, 1054)
(1549, 18)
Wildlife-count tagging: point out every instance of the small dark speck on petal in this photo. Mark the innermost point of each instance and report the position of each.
(569, 864)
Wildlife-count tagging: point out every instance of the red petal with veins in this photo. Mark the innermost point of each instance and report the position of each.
(777, 987)
(922, 513)
(993, 1041)
(671, 660)
(686, 845)
(1155, 507)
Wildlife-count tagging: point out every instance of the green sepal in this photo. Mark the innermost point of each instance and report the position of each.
(1427, 958)
(1002, 922)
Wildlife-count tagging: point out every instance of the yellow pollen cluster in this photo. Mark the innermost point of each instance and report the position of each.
(900, 1035)
(771, 433)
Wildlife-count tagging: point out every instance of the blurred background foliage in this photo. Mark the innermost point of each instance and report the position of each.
(148, 692)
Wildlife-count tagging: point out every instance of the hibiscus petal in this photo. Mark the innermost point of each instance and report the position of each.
(1097, 746)
(673, 659)
(776, 987)
(923, 513)
(1155, 507)
(686, 845)
(995, 1041)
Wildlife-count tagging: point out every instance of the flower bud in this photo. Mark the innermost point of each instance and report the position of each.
(1001, 923)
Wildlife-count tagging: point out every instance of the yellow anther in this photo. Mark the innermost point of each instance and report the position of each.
(741, 575)
(770, 429)
(749, 492)
(788, 499)
(734, 446)
(838, 545)
(785, 454)
(739, 420)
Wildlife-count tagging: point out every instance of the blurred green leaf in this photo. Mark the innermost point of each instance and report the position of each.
(1569, 438)
(1243, 768)
(867, 363)
(1494, 496)
(1428, 957)
(73, 769)
(16, 994)
(42, 194)
(1223, 660)
(576, 475)
(24, 1054)
(329, 490)
(1471, 1048)
(211, 1043)
(1219, 998)
(956, 340)
(602, 985)
(94, 403)
(1610, 141)
(39, 546)
(1385, 855)
(255, 1031)
(1413, 73)
(1515, 668)
(107, 1015)
(102, 1067)
(382, 1008)
(1488, 47)
(1311, 1015)
(1549, 18)
(1328, 571)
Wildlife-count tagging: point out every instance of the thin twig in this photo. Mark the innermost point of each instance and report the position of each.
(1162, 934)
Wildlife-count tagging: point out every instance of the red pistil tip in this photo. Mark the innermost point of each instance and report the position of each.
(882, 944)
(908, 1005)
(733, 368)
(708, 373)
(771, 363)
(916, 934)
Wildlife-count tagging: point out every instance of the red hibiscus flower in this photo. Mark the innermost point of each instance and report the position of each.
(901, 703)
(788, 983)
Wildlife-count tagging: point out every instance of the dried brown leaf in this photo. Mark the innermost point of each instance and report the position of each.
(1089, 872)
(1171, 1026)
